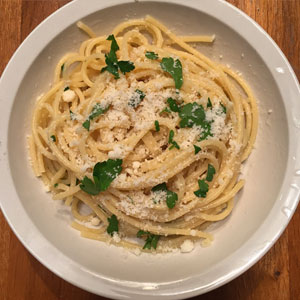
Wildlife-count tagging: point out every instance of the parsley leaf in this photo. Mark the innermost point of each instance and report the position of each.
(72, 116)
(223, 108)
(165, 110)
(151, 55)
(103, 173)
(53, 138)
(136, 99)
(197, 149)
(86, 124)
(171, 141)
(203, 189)
(173, 105)
(55, 185)
(171, 136)
(174, 145)
(88, 186)
(151, 239)
(191, 114)
(66, 88)
(174, 68)
(96, 111)
(171, 198)
(111, 60)
(206, 131)
(126, 66)
(210, 173)
(62, 68)
(113, 225)
(209, 105)
(156, 124)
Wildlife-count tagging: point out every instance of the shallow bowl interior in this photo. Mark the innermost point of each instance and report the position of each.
(152, 273)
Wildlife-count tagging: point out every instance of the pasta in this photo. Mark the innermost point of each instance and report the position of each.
(143, 137)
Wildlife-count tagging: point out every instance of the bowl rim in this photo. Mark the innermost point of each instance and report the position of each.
(259, 243)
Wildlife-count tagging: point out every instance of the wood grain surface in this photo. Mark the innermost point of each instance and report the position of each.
(276, 276)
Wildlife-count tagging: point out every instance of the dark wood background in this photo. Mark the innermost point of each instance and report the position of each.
(276, 276)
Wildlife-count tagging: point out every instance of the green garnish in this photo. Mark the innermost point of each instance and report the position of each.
(223, 108)
(157, 127)
(171, 197)
(210, 172)
(72, 116)
(173, 105)
(113, 225)
(53, 138)
(192, 114)
(111, 60)
(203, 189)
(151, 239)
(165, 110)
(209, 105)
(171, 141)
(126, 66)
(103, 173)
(206, 127)
(86, 124)
(174, 68)
(137, 98)
(171, 136)
(62, 67)
(66, 88)
(151, 55)
(197, 149)
(56, 185)
(96, 111)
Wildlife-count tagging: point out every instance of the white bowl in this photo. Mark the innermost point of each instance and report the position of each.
(263, 209)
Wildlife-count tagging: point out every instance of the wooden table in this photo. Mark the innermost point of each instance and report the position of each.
(276, 276)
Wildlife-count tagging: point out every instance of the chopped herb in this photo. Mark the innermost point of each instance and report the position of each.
(56, 185)
(136, 99)
(157, 127)
(62, 67)
(197, 149)
(103, 173)
(113, 225)
(66, 88)
(53, 138)
(210, 172)
(151, 239)
(223, 108)
(173, 105)
(151, 55)
(206, 131)
(72, 116)
(96, 111)
(111, 60)
(174, 68)
(165, 110)
(203, 189)
(86, 124)
(126, 66)
(171, 136)
(160, 187)
(174, 145)
(171, 197)
(192, 114)
(209, 105)
(171, 141)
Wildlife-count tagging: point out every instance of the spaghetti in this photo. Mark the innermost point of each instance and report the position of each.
(146, 132)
